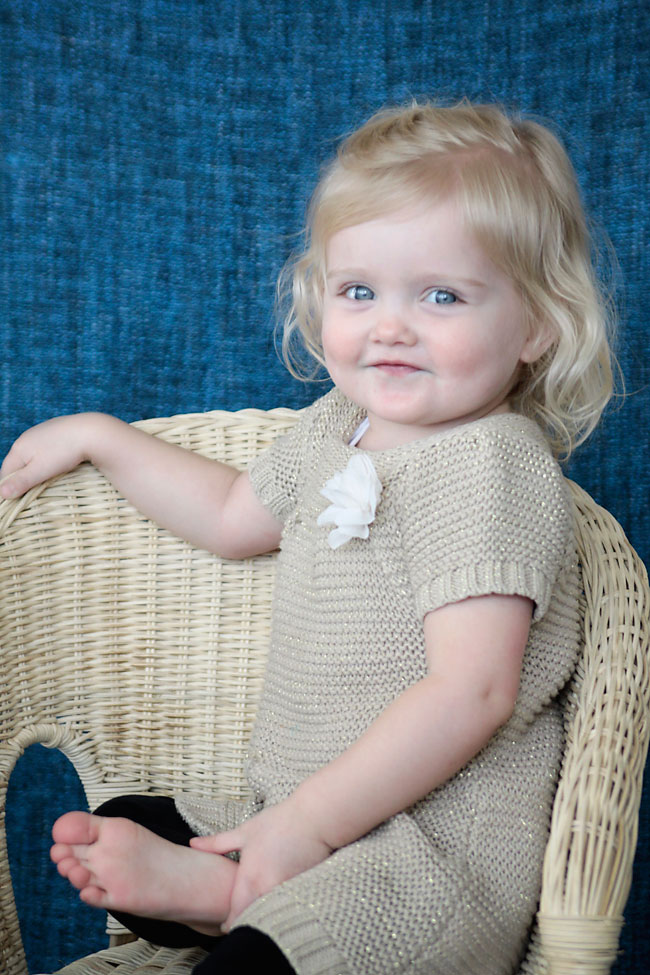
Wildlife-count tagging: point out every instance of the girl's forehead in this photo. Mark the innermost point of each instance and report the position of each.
(431, 225)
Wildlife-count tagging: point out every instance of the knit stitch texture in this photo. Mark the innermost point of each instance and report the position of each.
(450, 884)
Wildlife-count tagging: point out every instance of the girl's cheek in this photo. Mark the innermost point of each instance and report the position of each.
(461, 353)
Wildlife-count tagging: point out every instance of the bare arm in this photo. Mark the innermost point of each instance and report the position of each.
(474, 652)
(432, 729)
(208, 503)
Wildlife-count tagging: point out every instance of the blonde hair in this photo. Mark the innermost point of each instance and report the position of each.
(518, 194)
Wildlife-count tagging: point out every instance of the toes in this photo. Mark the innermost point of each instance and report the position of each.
(64, 864)
(78, 875)
(95, 896)
(76, 828)
(59, 852)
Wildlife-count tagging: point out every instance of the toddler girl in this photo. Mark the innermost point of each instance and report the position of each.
(426, 618)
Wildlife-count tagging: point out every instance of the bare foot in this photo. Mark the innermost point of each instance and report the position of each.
(121, 866)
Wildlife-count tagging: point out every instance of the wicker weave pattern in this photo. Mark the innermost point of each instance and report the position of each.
(142, 659)
(595, 816)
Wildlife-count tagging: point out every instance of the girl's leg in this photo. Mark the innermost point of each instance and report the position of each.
(245, 950)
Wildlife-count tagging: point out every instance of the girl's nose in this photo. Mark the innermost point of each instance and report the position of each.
(393, 327)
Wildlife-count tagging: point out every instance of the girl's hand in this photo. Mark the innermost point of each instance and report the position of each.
(44, 451)
(274, 846)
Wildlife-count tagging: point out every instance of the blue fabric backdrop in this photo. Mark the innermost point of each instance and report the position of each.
(156, 158)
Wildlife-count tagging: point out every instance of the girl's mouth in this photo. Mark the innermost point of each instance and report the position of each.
(396, 368)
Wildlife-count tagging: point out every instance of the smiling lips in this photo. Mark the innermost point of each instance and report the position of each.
(396, 368)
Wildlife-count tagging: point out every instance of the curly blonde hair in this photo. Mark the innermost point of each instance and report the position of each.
(518, 194)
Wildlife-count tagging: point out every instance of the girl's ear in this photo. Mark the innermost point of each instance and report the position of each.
(537, 344)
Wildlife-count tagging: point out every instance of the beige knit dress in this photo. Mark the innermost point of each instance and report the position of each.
(449, 885)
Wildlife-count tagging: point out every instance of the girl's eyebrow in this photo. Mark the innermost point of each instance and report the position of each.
(348, 272)
(463, 282)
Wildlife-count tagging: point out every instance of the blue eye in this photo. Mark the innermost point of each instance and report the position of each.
(440, 296)
(359, 292)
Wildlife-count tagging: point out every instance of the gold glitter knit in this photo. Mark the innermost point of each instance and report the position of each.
(450, 885)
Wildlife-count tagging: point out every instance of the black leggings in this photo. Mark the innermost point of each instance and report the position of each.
(244, 949)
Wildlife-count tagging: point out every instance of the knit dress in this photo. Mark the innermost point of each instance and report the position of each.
(450, 885)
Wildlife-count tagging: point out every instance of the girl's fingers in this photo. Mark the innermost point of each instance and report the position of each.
(15, 459)
(19, 476)
(13, 485)
(219, 843)
(242, 896)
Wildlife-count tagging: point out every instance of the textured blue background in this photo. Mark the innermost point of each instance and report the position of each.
(156, 158)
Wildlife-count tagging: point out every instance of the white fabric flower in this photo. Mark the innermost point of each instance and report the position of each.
(354, 493)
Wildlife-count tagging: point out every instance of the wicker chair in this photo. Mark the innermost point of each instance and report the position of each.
(141, 658)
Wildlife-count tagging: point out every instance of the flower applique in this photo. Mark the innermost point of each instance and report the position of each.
(354, 493)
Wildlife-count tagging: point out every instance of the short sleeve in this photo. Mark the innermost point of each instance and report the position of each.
(278, 473)
(486, 511)
(275, 473)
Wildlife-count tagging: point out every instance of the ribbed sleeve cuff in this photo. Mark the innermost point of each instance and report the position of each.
(265, 486)
(297, 932)
(505, 578)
